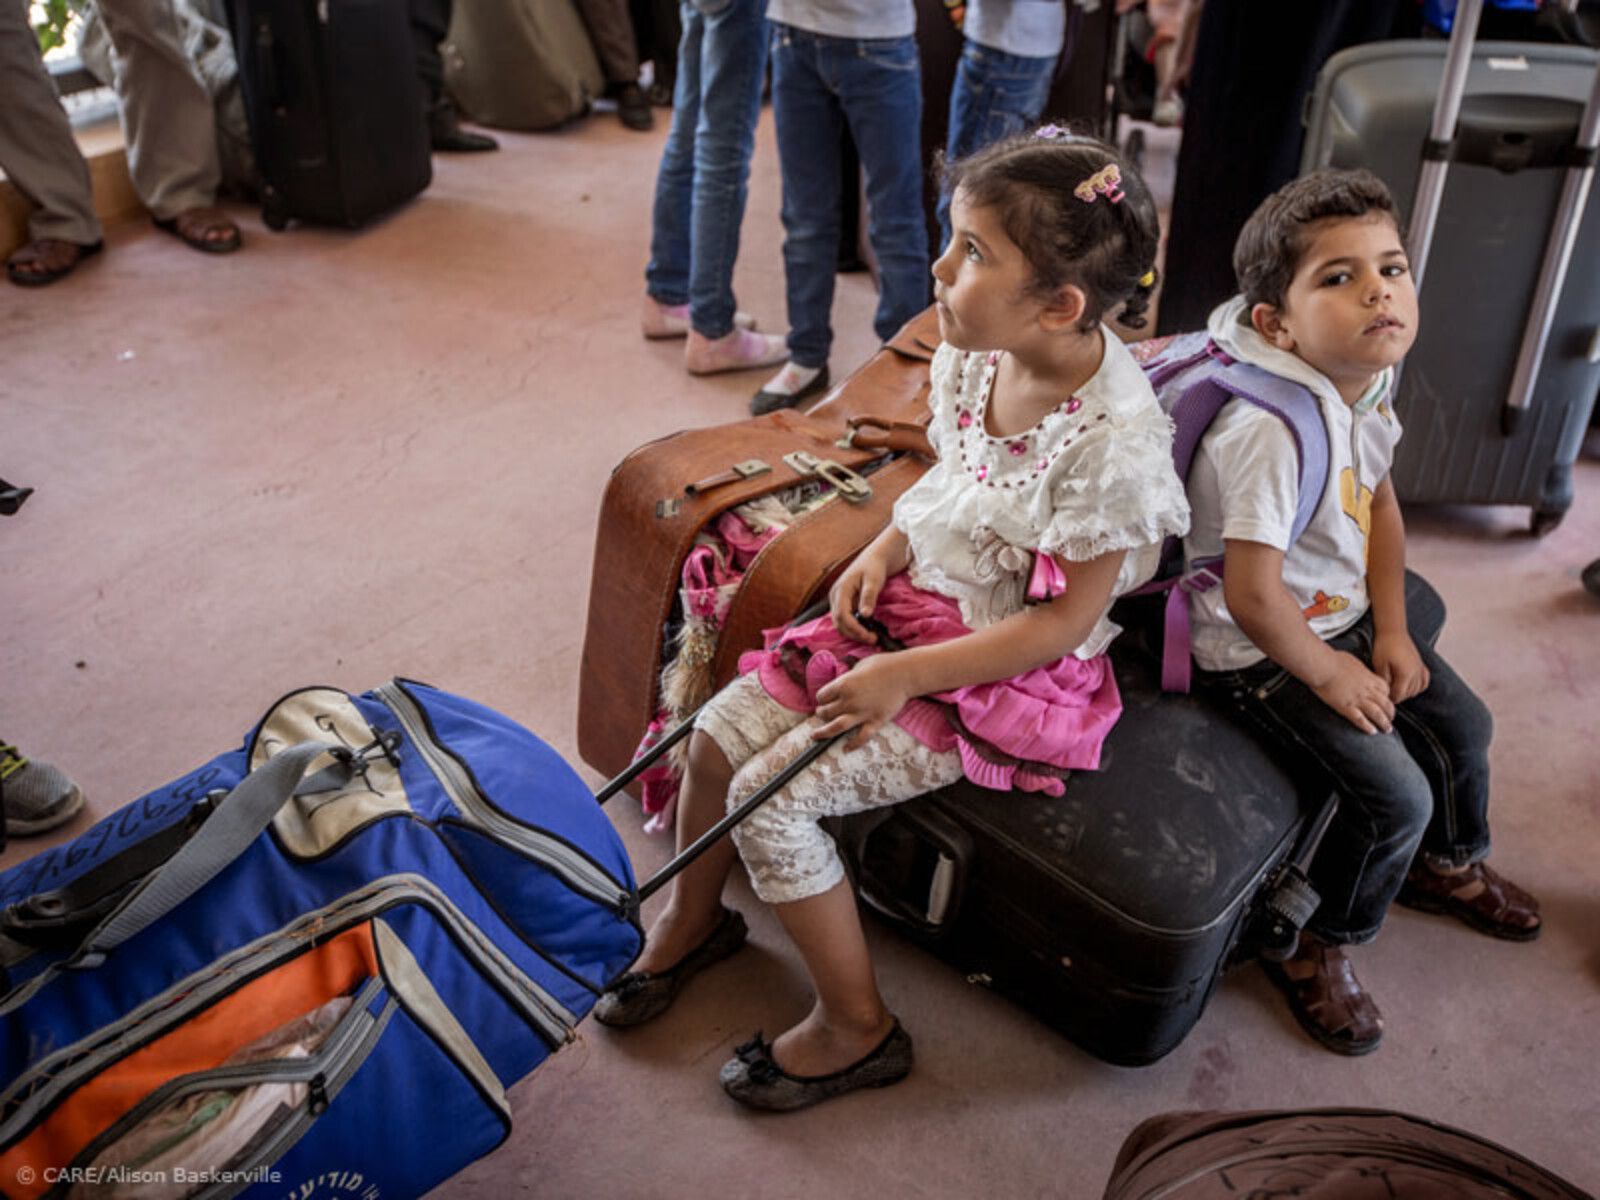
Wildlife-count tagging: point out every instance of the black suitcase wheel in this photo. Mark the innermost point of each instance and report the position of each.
(1591, 577)
(1545, 520)
(273, 214)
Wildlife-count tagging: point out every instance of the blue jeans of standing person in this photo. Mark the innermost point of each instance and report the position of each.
(705, 167)
(821, 85)
(995, 95)
(1423, 787)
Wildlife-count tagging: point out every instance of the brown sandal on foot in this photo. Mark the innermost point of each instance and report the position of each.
(208, 229)
(1479, 895)
(1327, 998)
(45, 260)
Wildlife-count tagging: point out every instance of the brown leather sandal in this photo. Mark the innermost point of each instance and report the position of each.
(45, 260)
(208, 229)
(1479, 895)
(1327, 998)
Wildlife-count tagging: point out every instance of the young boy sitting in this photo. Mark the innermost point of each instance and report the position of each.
(1310, 640)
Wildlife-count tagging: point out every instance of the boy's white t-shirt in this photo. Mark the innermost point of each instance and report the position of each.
(1244, 484)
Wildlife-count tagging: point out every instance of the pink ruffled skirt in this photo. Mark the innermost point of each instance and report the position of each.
(1027, 732)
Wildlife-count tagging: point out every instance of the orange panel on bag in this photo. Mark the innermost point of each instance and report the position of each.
(200, 1044)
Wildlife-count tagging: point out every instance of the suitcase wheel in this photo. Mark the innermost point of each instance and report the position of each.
(273, 214)
(1545, 520)
(1591, 577)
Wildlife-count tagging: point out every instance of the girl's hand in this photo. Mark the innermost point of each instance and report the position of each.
(1396, 661)
(857, 591)
(865, 697)
(1357, 694)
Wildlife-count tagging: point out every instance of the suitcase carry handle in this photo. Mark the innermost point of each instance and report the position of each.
(226, 834)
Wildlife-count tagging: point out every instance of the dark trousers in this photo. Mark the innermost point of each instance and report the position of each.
(430, 22)
(1424, 786)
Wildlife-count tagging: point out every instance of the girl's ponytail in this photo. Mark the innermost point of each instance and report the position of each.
(1135, 307)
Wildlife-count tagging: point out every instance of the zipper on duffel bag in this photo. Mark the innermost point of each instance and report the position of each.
(34, 1092)
(573, 867)
(324, 1073)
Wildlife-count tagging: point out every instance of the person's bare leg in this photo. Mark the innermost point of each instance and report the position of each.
(694, 897)
(849, 1018)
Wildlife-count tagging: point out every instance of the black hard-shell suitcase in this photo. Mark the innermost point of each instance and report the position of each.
(335, 107)
(1498, 390)
(1111, 911)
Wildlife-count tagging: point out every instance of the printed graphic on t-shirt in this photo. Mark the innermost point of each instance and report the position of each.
(1356, 498)
(1323, 604)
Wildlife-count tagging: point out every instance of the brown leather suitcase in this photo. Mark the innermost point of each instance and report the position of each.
(1322, 1154)
(666, 492)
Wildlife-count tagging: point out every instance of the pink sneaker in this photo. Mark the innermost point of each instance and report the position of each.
(739, 350)
(658, 321)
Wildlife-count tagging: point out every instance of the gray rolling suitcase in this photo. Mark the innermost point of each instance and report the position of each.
(1490, 151)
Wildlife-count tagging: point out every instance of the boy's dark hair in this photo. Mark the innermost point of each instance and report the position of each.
(1274, 239)
(1108, 250)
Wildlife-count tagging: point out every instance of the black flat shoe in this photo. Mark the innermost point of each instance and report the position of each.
(765, 401)
(640, 996)
(754, 1078)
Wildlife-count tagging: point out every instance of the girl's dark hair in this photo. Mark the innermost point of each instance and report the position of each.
(1106, 249)
(1275, 238)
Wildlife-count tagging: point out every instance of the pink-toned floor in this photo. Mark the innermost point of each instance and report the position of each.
(335, 458)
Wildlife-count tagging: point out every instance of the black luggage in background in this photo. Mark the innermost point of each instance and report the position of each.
(335, 107)
(1495, 399)
(1111, 911)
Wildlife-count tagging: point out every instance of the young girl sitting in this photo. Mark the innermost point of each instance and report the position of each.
(1054, 482)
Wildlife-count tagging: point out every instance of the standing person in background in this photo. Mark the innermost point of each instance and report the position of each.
(430, 23)
(611, 30)
(701, 191)
(1003, 80)
(839, 63)
(168, 124)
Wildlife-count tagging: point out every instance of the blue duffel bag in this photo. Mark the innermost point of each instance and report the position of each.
(324, 955)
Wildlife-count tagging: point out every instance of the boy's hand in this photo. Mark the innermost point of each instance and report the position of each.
(1357, 695)
(866, 696)
(1396, 661)
(857, 591)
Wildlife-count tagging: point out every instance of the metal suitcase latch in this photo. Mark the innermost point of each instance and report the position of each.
(853, 487)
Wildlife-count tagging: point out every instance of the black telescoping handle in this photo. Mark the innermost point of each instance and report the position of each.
(706, 840)
(682, 730)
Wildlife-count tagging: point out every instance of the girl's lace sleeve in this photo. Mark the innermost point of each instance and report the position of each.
(944, 391)
(1117, 490)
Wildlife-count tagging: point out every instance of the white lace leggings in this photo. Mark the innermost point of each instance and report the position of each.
(788, 854)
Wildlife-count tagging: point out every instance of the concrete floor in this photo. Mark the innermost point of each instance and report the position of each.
(335, 458)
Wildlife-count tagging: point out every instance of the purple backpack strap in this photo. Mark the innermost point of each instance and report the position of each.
(1194, 378)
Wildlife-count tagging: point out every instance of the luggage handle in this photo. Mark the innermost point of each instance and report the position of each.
(1437, 148)
(1558, 252)
(685, 727)
(226, 834)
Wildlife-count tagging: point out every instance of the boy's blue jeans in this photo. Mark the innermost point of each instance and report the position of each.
(996, 94)
(819, 84)
(1424, 787)
(705, 167)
